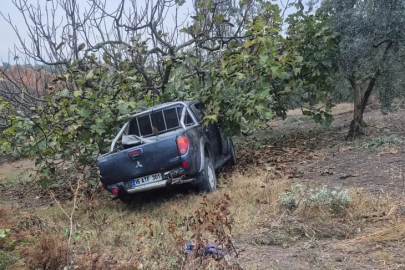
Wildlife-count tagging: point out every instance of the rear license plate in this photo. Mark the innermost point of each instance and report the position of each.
(146, 179)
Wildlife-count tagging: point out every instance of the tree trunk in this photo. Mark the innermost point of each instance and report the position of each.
(360, 102)
(357, 124)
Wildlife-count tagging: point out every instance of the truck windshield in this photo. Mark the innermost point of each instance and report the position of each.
(158, 122)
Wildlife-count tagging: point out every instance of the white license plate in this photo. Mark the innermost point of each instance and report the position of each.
(146, 179)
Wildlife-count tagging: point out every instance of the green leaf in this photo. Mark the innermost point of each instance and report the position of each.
(4, 233)
(85, 113)
(180, 2)
(90, 75)
(299, 59)
(77, 93)
(276, 71)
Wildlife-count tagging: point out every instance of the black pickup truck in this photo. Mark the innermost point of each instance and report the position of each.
(163, 146)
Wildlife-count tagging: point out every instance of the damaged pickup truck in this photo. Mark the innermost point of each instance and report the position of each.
(163, 146)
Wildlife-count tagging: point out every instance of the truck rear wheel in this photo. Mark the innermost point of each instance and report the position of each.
(126, 198)
(129, 199)
(207, 179)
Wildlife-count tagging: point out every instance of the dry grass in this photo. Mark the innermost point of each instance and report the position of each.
(365, 205)
(386, 224)
(366, 215)
(338, 109)
(104, 227)
(48, 253)
(7, 217)
(16, 172)
(8, 255)
(390, 233)
(108, 234)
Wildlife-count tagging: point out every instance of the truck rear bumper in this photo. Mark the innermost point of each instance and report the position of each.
(146, 187)
(160, 184)
(126, 188)
(170, 178)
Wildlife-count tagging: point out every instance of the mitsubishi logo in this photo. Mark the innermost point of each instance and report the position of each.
(138, 165)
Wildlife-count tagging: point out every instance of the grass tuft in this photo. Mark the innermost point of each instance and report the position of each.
(48, 253)
(381, 142)
(7, 261)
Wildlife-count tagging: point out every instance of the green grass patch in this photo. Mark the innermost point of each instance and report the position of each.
(15, 178)
(7, 261)
(381, 142)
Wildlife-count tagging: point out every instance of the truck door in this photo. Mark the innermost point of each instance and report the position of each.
(211, 130)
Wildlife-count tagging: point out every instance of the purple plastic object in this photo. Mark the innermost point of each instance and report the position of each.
(212, 249)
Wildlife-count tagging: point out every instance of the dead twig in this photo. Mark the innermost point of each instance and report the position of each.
(71, 215)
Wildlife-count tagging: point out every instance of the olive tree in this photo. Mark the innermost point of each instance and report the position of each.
(371, 40)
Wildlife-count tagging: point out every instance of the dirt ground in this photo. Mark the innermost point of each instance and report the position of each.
(323, 157)
(313, 156)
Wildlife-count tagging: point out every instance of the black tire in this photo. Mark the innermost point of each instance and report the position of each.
(126, 198)
(129, 199)
(232, 160)
(207, 180)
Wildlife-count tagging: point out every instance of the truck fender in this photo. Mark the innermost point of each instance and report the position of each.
(204, 144)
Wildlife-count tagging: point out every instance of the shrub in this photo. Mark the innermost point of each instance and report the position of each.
(289, 199)
(335, 199)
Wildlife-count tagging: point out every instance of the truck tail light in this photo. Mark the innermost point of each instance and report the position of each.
(182, 145)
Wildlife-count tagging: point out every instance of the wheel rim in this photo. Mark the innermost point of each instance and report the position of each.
(211, 177)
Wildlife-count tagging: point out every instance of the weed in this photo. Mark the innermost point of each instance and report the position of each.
(6, 243)
(4, 233)
(380, 142)
(7, 261)
(290, 198)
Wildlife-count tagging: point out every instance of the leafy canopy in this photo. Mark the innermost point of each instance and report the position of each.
(243, 85)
